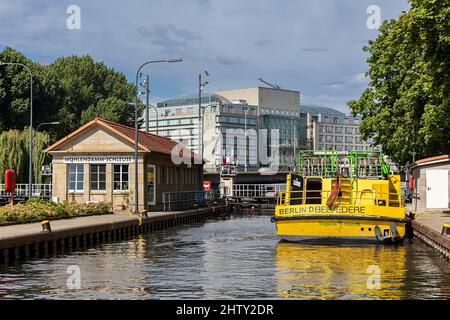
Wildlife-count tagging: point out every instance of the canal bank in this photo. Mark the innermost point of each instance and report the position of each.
(234, 256)
(20, 242)
(430, 228)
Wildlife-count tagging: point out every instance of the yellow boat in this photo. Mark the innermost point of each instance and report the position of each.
(341, 196)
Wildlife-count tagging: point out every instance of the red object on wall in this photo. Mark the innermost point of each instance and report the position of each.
(411, 183)
(206, 185)
(10, 180)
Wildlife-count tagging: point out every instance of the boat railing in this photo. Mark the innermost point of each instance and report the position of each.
(363, 197)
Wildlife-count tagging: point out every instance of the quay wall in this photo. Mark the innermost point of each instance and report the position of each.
(433, 238)
(36, 244)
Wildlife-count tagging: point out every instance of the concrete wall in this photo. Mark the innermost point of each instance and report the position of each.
(265, 97)
(420, 185)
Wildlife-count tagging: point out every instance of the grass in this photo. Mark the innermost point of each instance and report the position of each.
(35, 210)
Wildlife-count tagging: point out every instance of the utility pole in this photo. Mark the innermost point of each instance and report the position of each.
(201, 85)
(200, 113)
(147, 102)
(245, 137)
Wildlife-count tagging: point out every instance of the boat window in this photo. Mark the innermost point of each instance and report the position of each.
(314, 191)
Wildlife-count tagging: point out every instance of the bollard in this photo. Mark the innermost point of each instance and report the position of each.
(446, 229)
(46, 226)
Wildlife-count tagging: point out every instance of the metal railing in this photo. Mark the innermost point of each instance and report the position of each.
(369, 197)
(38, 190)
(182, 200)
(257, 190)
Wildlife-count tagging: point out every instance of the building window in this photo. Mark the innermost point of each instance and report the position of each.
(338, 129)
(348, 130)
(151, 185)
(338, 139)
(76, 175)
(329, 129)
(120, 174)
(348, 139)
(98, 177)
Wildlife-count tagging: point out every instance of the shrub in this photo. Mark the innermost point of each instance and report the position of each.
(36, 209)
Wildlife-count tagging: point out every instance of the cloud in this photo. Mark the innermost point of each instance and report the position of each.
(236, 41)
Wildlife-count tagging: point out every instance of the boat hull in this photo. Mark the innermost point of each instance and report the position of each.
(340, 228)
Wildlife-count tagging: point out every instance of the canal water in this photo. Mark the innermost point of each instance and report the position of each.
(232, 257)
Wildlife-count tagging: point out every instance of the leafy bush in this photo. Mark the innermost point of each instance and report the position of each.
(36, 209)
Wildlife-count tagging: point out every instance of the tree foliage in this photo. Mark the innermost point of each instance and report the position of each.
(406, 106)
(71, 90)
(14, 153)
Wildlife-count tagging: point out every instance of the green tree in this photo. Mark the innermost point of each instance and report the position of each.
(14, 153)
(407, 103)
(15, 92)
(71, 90)
(85, 85)
(112, 109)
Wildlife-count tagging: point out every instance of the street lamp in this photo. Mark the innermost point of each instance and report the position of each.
(30, 163)
(201, 85)
(37, 158)
(136, 171)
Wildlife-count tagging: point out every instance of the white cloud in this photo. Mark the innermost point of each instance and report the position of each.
(311, 46)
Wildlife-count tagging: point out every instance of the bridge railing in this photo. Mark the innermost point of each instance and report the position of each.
(41, 190)
(182, 200)
(257, 190)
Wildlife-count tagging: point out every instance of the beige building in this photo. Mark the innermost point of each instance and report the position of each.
(96, 164)
(265, 97)
(431, 186)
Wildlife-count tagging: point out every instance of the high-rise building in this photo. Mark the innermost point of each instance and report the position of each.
(235, 122)
(332, 129)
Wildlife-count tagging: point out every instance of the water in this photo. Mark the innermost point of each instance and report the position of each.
(233, 257)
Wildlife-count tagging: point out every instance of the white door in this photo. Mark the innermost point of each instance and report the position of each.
(437, 189)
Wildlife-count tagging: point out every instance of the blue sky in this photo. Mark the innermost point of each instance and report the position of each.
(311, 46)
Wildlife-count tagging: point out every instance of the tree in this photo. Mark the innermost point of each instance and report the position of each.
(407, 103)
(112, 109)
(15, 92)
(69, 90)
(14, 152)
(86, 87)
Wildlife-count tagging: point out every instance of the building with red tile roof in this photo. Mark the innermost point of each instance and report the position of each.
(95, 163)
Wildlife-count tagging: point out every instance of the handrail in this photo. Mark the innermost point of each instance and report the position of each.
(304, 195)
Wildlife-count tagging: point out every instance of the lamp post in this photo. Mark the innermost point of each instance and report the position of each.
(30, 163)
(136, 171)
(201, 86)
(37, 158)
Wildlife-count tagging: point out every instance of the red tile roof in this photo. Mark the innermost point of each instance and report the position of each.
(146, 141)
(445, 156)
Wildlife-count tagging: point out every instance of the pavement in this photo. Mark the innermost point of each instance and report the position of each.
(31, 229)
(433, 219)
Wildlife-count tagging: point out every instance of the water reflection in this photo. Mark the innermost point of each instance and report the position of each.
(339, 272)
(235, 257)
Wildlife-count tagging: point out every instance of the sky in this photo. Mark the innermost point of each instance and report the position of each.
(314, 47)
